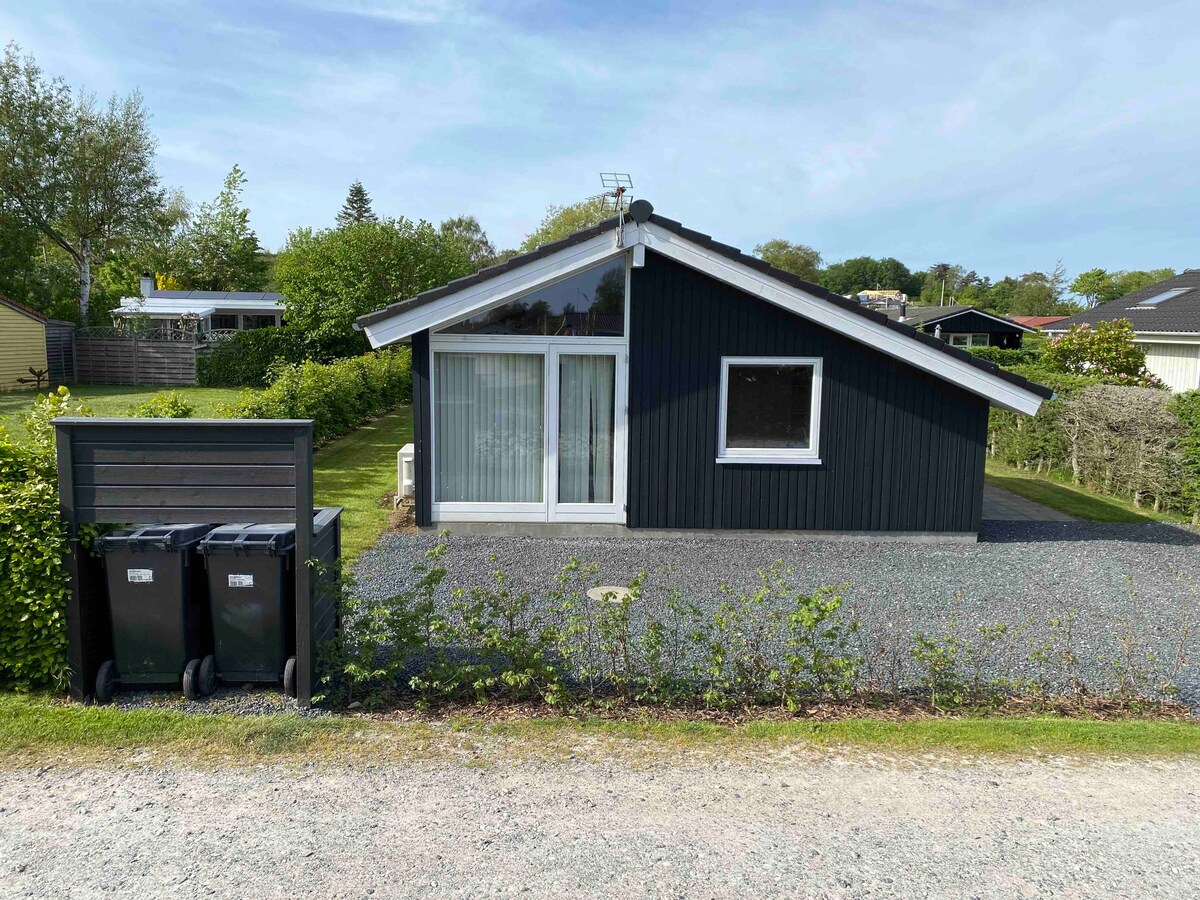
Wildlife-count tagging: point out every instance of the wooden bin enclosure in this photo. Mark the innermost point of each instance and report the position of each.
(217, 471)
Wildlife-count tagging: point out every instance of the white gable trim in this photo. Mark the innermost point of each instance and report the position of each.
(857, 327)
(494, 291)
(963, 312)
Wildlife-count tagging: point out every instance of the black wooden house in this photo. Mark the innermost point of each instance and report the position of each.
(640, 374)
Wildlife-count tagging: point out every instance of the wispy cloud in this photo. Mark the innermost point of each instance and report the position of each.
(1000, 135)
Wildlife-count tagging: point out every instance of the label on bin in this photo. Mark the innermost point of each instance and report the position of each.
(241, 581)
(139, 576)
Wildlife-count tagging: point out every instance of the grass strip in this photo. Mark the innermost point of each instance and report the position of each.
(38, 728)
(1072, 499)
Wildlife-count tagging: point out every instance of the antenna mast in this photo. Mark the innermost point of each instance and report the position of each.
(618, 187)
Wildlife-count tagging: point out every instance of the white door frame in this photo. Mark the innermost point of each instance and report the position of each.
(587, 512)
(548, 509)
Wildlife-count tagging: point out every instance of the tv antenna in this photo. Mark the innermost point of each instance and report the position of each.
(618, 190)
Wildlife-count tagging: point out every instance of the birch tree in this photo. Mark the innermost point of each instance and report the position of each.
(80, 173)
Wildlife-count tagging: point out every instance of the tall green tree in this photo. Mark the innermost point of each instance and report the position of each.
(1090, 285)
(561, 221)
(357, 207)
(218, 250)
(467, 235)
(863, 273)
(332, 276)
(799, 259)
(81, 174)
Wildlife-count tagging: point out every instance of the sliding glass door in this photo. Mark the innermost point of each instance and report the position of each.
(535, 434)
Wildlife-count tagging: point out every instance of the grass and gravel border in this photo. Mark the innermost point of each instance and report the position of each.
(38, 730)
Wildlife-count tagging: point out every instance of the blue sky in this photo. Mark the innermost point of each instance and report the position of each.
(1002, 136)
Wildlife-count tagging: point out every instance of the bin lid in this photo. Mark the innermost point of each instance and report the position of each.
(268, 539)
(159, 537)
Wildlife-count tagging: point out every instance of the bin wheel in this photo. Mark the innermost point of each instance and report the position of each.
(289, 677)
(106, 681)
(208, 675)
(191, 680)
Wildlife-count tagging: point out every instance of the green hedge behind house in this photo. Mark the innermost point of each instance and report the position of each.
(338, 396)
(245, 359)
(1006, 358)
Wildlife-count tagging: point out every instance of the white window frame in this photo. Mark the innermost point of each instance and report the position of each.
(771, 455)
(973, 339)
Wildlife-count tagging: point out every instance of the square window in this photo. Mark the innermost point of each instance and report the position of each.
(770, 409)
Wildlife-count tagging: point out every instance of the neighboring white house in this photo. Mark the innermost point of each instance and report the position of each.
(217, 311)
(1166, 324)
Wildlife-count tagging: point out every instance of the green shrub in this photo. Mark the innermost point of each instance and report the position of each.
(1006, 358)
(33, 545)
(1107, 350)
(245, 359)
(1187, 409)
(338, 397)
(164, 405)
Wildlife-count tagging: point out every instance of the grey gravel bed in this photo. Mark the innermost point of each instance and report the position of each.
(239, 700)
(1141, 579)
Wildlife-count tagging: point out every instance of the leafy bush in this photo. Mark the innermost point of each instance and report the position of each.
(1006, 358)
(245, 359)
(338, 397)
(164, 405)
(1187, 409)
(1107, 350)
(776, 645)
(33, 545)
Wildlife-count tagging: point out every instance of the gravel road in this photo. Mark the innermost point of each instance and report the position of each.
(1140, 580)
(816, 825)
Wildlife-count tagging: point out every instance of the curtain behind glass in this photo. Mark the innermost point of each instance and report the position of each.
(585, 428)
(489, 437)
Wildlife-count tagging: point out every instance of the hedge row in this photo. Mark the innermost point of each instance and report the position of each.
(33, 547)
(338, 396)
(245, 359)
(1134, 442)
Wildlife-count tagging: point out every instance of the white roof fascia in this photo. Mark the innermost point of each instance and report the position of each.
(857, 327)
(496, 291)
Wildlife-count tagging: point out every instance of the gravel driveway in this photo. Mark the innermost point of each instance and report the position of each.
(818, 825)
(1139, 580)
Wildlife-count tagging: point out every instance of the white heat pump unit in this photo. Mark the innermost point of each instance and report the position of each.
(404, 473)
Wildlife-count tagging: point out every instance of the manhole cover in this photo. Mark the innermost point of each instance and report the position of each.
(609, 592)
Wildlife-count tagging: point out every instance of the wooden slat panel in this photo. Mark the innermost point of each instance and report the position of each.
(179, 474)
(247, 454)
(214, 514)
(246, 496)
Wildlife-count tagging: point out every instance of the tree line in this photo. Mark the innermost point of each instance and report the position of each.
(83, 214)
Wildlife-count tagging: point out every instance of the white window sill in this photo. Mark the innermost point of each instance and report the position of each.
(771, 460)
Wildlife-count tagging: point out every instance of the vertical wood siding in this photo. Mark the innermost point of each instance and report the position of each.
(901, 450)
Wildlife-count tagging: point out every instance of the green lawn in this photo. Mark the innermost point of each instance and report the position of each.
(39, 728)
(356, 472)
(119, 399)
(1076, 501)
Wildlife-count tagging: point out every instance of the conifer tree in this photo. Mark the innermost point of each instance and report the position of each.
(357, 207)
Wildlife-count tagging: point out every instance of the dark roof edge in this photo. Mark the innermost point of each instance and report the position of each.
(728, 252)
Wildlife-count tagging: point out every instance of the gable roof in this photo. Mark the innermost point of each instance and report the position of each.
(517, 275)
(1179, 314)
(31, 313)
(932, 315)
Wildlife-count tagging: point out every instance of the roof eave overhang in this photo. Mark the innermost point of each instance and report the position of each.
(1017, 326)
(895, 339)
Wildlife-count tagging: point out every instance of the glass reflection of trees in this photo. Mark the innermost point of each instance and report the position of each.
(590, 303)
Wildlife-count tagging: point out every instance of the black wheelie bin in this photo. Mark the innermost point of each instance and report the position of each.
(157, 598)
(252, 592)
